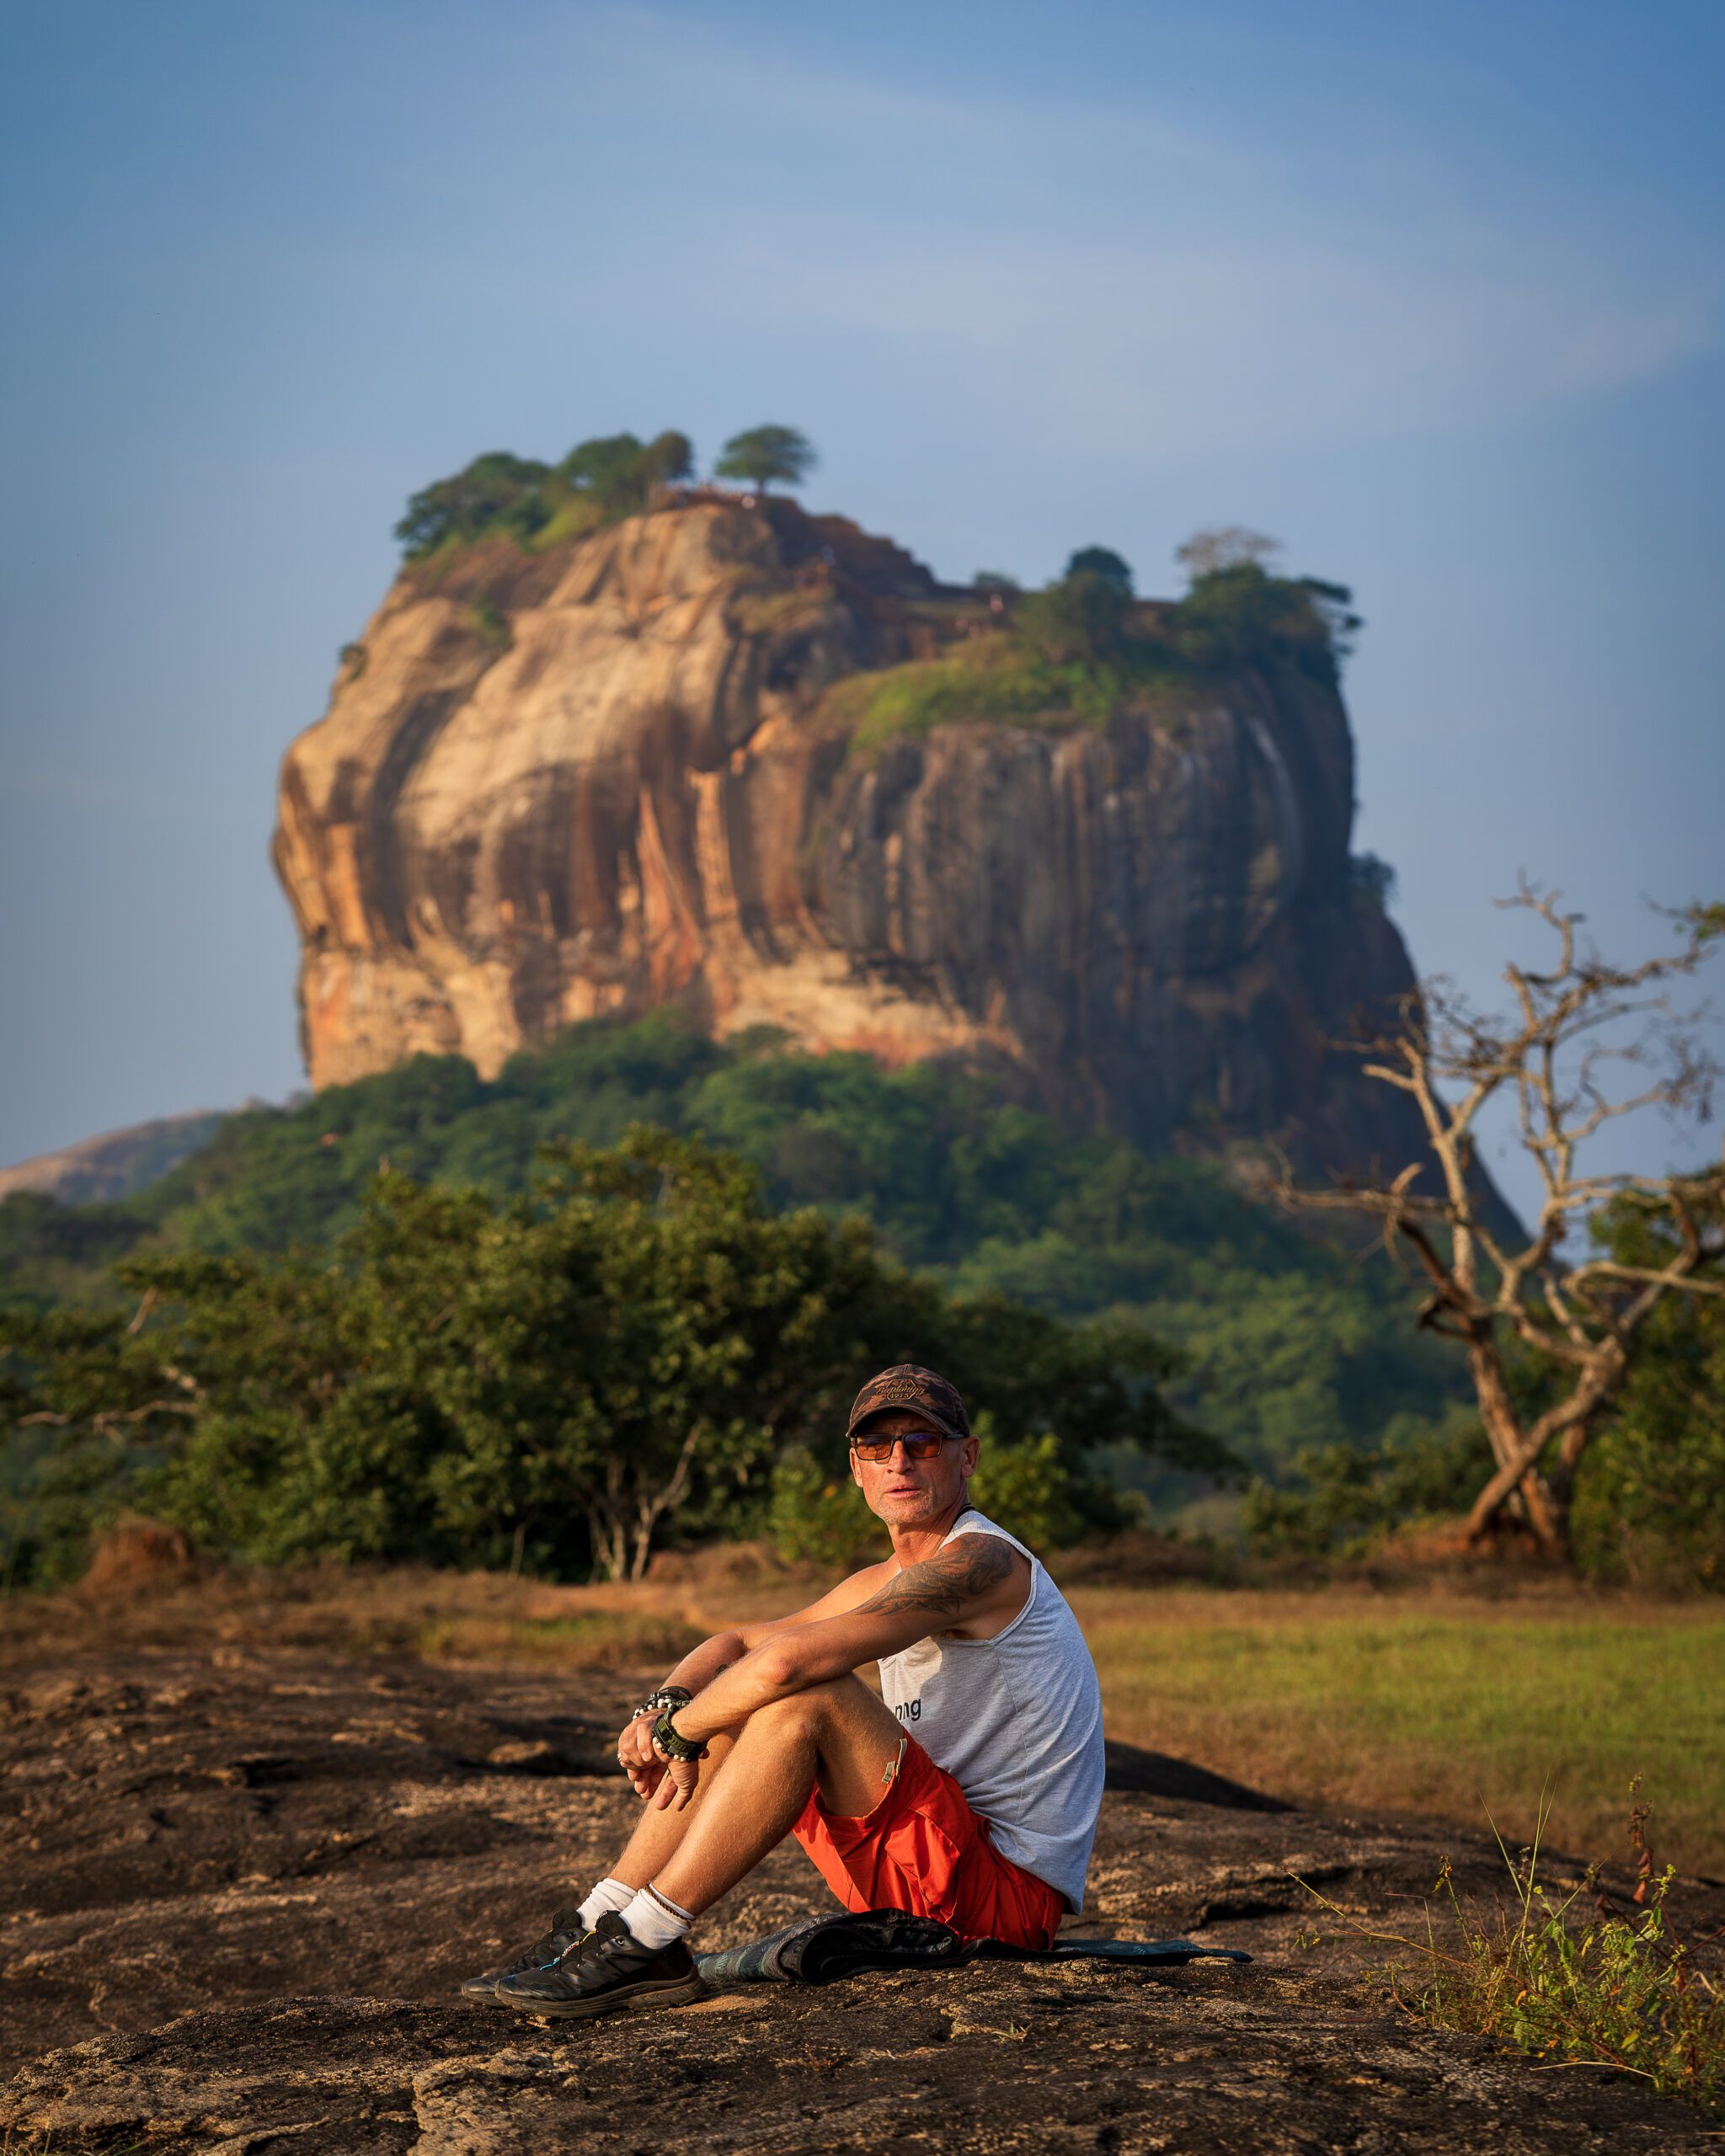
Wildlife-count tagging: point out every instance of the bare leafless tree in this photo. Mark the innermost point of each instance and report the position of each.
(1496, 1292)
(1228, 547)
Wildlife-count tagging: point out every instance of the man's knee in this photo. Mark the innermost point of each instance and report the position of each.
(813, 1708)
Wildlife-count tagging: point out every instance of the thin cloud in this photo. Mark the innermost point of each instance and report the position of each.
(1167, 351)
(1118, 278)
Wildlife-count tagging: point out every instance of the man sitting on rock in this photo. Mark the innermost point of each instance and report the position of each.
(971, 1794)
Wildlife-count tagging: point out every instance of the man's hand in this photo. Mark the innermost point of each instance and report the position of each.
(637, 1758)
(680, 1779)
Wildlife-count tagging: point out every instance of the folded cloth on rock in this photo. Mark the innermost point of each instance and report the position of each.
(823, 1950)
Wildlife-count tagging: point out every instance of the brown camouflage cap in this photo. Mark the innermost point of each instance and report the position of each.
(908, 1385)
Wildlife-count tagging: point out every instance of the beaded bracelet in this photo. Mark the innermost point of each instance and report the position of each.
(668, 1695)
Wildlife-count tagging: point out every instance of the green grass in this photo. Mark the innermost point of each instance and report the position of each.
(994, 679)
(1433, 1706)
(573, 518)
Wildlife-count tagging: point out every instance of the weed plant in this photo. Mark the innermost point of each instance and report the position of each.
(1569, 1976)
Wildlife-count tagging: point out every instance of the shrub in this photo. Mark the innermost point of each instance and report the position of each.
(991, 679)
(1080, 653)
(1371, 882)
(1029, 1486)
(1353, 1497)
(816, 1516)
(1649, 1506)
(1030, 1489)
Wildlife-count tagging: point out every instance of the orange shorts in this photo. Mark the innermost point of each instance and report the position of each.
(924, 1850)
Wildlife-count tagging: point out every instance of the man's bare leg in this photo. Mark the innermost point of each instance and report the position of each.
(837, 1736)
(659, 1831)
(837, 1733)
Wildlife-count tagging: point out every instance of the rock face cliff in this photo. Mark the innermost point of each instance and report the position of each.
(608, 777)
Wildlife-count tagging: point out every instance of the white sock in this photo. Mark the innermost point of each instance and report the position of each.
(608, 1894)
(654, 1920)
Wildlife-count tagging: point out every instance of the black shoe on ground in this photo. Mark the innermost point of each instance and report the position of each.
(565, 1934)
(607, 1971)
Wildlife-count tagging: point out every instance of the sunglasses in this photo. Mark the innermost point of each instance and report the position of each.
(920, 1444)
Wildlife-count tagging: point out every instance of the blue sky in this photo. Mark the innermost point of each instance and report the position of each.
(1433, 295)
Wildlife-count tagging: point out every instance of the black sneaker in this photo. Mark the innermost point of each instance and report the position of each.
(564, 1936)
(607, 1970)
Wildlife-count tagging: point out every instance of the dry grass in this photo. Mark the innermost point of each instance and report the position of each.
(1402, 1701)
(449, 1617)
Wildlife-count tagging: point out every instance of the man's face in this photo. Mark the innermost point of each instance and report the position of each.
(907, 1492)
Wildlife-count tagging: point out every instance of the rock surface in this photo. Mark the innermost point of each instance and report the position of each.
(241, 1890)
(602, 779)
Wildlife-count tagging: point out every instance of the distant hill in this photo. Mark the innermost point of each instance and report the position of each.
(113, 1165)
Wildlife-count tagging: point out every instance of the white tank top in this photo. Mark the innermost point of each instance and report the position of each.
(1016, 1721)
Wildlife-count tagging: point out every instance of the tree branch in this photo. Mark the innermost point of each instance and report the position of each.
(1582, 1318)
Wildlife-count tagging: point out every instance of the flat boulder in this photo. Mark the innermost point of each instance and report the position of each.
(241, 1895)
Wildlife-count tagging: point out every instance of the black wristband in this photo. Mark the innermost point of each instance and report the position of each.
(669, 1741)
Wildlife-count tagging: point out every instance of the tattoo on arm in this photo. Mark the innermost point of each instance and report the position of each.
(942, 1584)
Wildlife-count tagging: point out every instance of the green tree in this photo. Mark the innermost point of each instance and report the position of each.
(1349, 1500)
(760, 455)
(1649, 1505)
(605, 465)
(1239, 615)
(623, 473)
(1102, 561)
(497, 489)
(1029, 1489)
(668, 459)
(1081, 617)
(815, 1514)
(563, 1374)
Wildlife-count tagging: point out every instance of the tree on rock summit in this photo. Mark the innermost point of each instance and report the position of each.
(762, 454)
(622, 474)
(1102, 561)
(497, 489)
